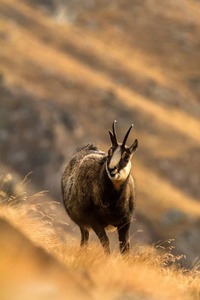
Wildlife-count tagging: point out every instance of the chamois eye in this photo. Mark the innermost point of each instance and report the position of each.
(126, 157)
(110, 152)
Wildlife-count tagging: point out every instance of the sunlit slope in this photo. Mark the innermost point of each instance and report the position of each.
(42, 56)
(52, 63)
(129, 32)
(46, 267)
(28, 268)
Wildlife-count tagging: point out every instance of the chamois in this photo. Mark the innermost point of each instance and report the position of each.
(98, 190)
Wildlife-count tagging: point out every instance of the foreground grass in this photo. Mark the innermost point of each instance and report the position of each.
(148, 273)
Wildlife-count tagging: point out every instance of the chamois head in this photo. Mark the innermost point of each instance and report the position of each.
(118, 164)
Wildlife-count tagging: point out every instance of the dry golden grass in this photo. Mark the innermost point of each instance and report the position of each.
(148, 273)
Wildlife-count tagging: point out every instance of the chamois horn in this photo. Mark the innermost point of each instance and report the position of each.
(127, 134)
(114, 131)
(113, 135)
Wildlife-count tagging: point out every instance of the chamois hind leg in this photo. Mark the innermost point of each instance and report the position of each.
(84, 236)
(100, 232)
(124, 244)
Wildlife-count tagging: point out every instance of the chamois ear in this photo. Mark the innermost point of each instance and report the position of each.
(133, 147)
(112, 138)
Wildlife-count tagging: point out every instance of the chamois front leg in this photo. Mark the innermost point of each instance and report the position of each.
(124, 243)
(84, 236)
(100, 232)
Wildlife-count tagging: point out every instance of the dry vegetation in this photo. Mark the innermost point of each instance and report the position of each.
(36, 263)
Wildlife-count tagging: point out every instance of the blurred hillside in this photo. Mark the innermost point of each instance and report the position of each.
(68, 69)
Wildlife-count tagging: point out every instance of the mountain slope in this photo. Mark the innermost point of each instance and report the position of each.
(47, 267)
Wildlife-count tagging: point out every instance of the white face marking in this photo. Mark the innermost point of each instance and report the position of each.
(122, 175)
(115, 158)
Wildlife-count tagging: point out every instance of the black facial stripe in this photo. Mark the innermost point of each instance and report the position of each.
(111, 150)
(122, 165)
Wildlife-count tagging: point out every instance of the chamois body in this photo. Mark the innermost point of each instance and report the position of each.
(94, 199)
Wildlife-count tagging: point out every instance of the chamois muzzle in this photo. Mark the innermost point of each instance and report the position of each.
(112, 171)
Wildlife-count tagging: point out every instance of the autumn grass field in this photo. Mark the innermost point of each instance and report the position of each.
(36, 263)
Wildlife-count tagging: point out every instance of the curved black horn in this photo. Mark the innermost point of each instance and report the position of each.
(114, 132)
(127, 134)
